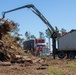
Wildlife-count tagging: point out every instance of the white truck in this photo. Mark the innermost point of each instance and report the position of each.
(67, 45)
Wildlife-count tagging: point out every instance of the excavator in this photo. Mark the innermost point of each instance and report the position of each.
(53, 32)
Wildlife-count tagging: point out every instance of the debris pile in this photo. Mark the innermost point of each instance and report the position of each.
(8, 43)
(5, 26)
(10, 49)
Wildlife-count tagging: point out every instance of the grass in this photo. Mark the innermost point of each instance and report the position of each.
(71, 65)
(56, 71)
(44, 57)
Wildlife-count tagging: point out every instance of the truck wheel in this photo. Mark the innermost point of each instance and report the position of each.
(71, 55)
(61, 54)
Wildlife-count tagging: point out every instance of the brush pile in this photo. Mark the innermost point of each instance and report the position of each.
(10, 49)
(9, 45)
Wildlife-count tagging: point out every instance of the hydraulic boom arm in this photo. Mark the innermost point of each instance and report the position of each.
(37, 12)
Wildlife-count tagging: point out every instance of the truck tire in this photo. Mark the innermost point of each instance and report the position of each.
(61, 54)
(71, 55)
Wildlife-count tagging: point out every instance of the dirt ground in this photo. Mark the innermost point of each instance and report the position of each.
(53, 67)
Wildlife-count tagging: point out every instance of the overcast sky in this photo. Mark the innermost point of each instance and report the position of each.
(60, 13)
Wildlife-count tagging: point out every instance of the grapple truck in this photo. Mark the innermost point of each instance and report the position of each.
(53, 32)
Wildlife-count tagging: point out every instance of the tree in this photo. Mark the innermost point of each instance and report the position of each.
(41, 35)
(16, 29)
(33, 37)
(63, 30)
(27, 35)
(21, 41)
(48, 35)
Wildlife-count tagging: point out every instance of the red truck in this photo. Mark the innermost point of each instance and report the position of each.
(34, 45)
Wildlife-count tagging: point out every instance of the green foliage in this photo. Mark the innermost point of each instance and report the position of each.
(27, 35)
(15, 30)
(21, 40)
(41, 35)
(33, 37)
(44, 57)
(63, 30)
(48, 34)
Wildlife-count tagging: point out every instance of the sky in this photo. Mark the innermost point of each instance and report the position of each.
(60, 13)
